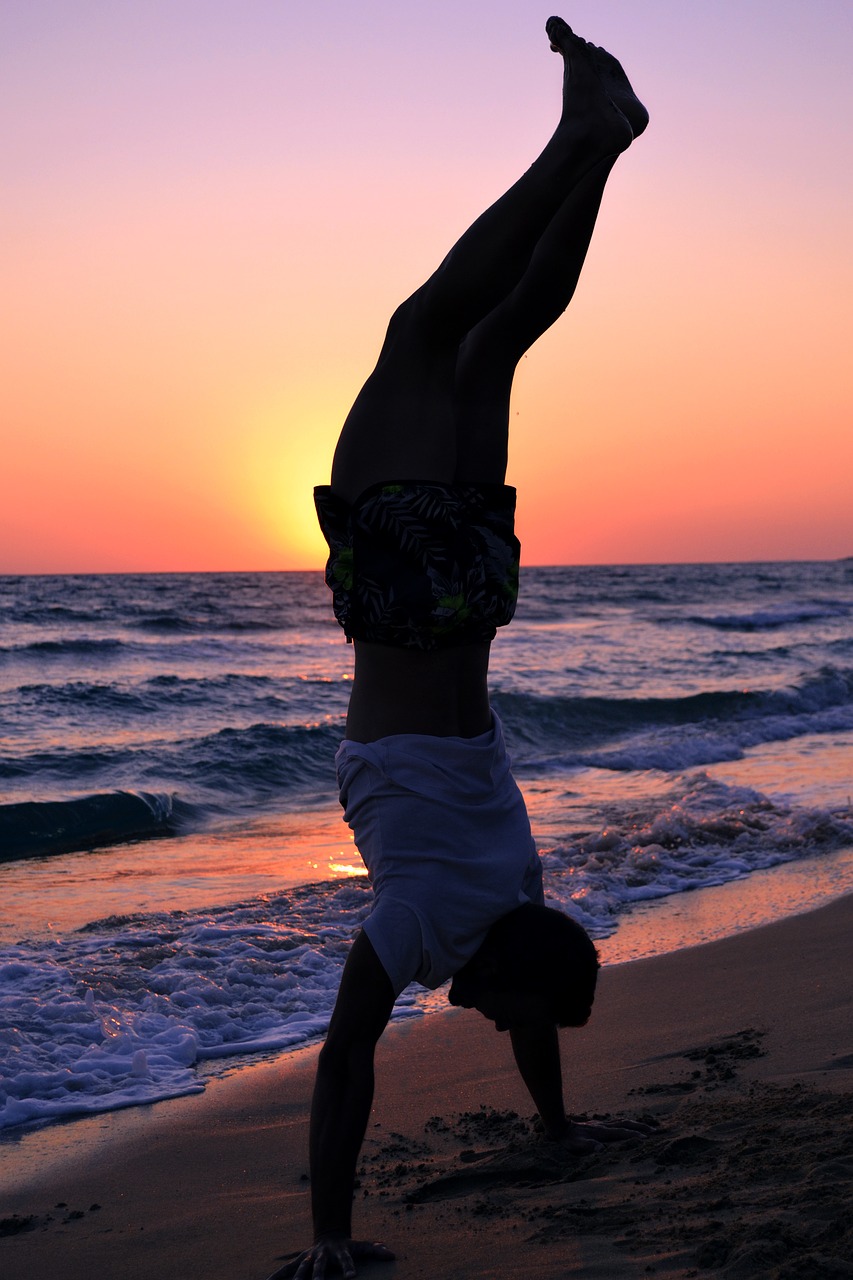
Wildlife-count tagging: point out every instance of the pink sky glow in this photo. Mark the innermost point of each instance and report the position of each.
(211, 209)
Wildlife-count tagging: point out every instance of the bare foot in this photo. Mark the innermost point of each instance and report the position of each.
(619, 89)
(579, 58)
(561, 35)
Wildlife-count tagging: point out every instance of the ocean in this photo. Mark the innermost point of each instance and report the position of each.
(177, 887)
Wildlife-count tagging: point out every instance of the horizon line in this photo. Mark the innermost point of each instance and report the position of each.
(601, 564)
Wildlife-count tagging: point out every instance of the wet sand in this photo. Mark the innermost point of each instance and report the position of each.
(741, 1050)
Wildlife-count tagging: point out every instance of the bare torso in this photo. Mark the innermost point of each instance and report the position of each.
(443, 692)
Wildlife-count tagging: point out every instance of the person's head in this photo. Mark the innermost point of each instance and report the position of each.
(535, 966)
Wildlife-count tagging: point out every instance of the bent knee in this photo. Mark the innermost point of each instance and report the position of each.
(416, 327)
(407, 324)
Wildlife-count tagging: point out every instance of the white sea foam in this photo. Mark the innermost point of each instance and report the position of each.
(124, 1011)
(706, 833)
(678, 748)
(129, 1010)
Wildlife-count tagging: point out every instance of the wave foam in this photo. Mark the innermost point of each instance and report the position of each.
(128, 1009)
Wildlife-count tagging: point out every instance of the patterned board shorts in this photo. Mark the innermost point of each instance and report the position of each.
(421, 565)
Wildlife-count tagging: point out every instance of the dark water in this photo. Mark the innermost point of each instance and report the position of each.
(166, 781)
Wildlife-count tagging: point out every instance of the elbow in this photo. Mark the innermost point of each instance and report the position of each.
(341, 1056)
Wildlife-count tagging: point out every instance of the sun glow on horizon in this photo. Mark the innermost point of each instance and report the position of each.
(285, 450)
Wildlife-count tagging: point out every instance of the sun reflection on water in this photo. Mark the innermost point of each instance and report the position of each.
(346, 869)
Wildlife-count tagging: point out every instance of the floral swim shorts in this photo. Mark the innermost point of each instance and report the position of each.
(421, 565)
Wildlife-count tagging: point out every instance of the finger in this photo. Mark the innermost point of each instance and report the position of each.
(339, 1254)
(371, 1249)
(626, 1126)
(292, 1270)
(601, 1135)
(581, 1146)
(296, 1270)
(346, 1264)
(608, 1134)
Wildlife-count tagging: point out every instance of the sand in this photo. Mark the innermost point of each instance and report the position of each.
(741, 1050)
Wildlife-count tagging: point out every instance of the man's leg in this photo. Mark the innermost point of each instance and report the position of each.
(490, 352)
(601, 116)
(403, 425)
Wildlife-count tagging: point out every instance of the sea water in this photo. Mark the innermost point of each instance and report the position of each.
(176, 884)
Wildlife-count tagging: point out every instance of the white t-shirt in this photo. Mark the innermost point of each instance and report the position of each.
(444, 834)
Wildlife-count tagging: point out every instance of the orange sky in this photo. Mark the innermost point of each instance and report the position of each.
(210, 210)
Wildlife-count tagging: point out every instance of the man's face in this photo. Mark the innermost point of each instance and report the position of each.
(505, 1007)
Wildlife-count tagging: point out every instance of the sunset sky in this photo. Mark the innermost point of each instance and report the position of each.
(211, 208)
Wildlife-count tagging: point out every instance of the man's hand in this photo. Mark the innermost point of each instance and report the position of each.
(583, 1138)
(331, 1255)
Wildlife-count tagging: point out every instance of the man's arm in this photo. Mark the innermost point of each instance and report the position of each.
(343, 1093)
(340, 1108)
(537, 1056)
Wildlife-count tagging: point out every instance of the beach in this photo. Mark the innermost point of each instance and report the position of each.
(741, 1050)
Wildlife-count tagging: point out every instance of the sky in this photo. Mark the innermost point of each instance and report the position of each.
(211, 209)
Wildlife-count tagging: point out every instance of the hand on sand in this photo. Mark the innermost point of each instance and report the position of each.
(332, 1255)
(585, 1138)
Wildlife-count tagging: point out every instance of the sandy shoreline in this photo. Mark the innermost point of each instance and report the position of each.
(742, 1049)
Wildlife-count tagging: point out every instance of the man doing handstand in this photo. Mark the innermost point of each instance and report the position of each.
(424, 567)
